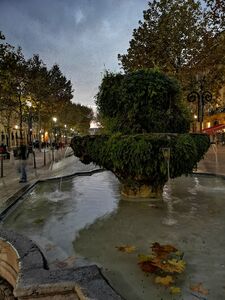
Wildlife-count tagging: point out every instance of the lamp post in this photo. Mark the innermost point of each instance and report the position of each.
(65, 136)
(201, 97)
(29, 118)
(54, 128)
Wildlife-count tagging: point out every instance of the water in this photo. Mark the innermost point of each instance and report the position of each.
(88, 220)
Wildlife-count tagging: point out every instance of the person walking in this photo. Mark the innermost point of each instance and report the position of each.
(22, 155)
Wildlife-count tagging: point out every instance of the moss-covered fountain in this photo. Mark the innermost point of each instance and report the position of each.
(146, 136)
(145, 142)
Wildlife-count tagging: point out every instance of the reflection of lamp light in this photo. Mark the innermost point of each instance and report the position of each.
(54, 119)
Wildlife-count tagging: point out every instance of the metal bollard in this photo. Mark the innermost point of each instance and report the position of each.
(34, 160)
(44, 157)
(1, 157)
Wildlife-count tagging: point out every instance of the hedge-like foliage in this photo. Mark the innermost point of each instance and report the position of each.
(143, 101)
(139, 158)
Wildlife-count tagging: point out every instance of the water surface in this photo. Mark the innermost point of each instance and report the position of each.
(85, 221)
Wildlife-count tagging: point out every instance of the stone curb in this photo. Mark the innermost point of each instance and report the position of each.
(34, 279)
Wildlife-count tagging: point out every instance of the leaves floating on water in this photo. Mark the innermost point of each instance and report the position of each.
(175, 290)
(176, 266)
(166, 280)
(148, 266)
(163, 250)
(199, 289)
(126, 248)
(165, 262)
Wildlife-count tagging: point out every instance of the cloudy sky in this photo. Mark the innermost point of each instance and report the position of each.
(82, 36)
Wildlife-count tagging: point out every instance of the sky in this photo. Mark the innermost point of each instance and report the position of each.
(83, 37)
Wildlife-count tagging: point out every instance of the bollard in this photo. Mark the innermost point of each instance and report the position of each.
(44, 157)
(1, 157)
(34, 160)
(53, 157)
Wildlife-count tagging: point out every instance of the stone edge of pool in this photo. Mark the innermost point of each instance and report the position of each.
(25, 267)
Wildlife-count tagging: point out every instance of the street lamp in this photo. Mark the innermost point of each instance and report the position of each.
(54, 128)
(201, 97)
(29, 118)
(65, 136)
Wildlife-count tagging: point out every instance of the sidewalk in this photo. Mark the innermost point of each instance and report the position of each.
(65, 164)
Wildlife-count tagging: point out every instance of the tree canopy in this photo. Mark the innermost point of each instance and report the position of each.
(48, 91)
(141, 101)
(181, 38)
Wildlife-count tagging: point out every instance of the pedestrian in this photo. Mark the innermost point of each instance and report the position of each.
(22, 155)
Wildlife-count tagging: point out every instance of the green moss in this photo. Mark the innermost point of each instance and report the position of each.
(138, 159)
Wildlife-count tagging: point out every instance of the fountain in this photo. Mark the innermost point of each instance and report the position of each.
(95, 223)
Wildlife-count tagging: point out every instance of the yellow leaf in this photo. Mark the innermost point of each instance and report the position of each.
(126, 248)
(175, 290)
(143, 258)
(178, 265)
(166, 281)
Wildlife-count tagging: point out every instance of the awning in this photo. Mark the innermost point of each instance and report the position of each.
(213, 129)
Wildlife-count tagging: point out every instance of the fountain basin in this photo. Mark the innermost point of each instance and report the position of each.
(88, 221)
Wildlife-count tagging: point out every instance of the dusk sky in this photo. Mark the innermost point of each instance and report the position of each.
(82, 36)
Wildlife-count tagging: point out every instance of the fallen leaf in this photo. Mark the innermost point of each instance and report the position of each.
(148, 267)
(199, 289)
(166, 281)
(143, 257)
(126, 248)
(169, 266)
(175, 290)
(163, 250)
(178, 265)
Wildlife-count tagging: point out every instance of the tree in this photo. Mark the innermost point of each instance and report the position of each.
(77, 116)
(149, 99)
(13, 81)
(48, 90)
(215, 12)
(182, 39)
(168, 37)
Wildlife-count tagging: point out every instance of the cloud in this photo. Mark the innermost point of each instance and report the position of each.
(82, 36)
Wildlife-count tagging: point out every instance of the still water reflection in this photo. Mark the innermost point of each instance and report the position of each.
(87, 219)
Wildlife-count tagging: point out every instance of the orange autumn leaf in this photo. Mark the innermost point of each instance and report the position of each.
(169, 266)
(148, 267)
(126, 248)
(199, 289)
(163, 250)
